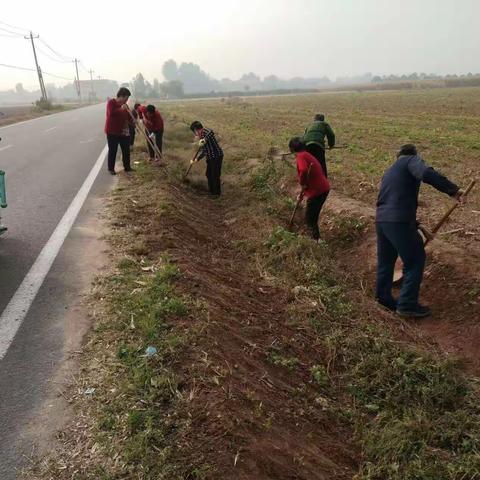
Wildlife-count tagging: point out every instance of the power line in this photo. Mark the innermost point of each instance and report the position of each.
(57, 76)
(84, 67)
(58, 57)
(14, 27)
(17, 68)
(11, 32)
(51, 57)
(34, 70)
(63, 57)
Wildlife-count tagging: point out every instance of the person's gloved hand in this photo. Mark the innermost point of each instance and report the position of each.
(201, 143)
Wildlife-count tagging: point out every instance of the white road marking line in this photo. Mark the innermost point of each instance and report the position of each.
(88, 141)
(15, 312)
(49, 129)
(6, 147)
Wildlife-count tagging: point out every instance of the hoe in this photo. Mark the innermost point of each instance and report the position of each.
(299, 201)
(192, 161)
(430, 235)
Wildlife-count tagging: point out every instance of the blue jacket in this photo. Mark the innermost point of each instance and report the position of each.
(398, 197)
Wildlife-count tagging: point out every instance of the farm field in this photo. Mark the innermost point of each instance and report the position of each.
(273, 361)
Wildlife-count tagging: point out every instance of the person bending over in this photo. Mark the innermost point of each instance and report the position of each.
(314, 138)
(397, 229)
(153, 121)
(210, 149)
(314, 184)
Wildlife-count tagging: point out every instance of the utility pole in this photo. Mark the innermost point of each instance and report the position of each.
(39, 71)
(93, 95)
(78, 80)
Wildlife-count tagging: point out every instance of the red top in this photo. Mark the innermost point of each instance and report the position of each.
(153, 121)
(117, 118)
(315, 182)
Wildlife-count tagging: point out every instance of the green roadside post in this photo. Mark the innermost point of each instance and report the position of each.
(3, 192)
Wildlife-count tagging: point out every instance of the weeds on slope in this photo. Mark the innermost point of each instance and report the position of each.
(416, 415)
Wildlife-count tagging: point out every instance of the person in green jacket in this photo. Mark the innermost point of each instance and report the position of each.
(314, 138)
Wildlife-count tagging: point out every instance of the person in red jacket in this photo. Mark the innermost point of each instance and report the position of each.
(153, 121)
(117, 128)
(314, 184)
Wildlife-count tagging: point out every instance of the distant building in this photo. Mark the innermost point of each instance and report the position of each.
(98, 89)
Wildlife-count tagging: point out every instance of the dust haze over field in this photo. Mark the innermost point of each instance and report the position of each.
(307, 38)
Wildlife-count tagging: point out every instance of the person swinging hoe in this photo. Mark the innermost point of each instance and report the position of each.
(209, 148)
(397, 230)
(313, 182)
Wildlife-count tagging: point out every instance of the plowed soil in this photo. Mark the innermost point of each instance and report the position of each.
(237, 418)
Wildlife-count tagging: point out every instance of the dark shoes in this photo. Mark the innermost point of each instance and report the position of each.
(129, 169)
(388, 304)
(419, 311)
(112, 172)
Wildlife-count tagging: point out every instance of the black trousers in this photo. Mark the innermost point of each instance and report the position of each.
(158, 141)
(319, 153)
(214, 171)
(314, 207)
(113, 142)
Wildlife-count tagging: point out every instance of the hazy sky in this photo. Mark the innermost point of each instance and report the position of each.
(231, 37)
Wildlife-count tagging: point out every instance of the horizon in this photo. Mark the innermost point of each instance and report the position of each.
(312, 39)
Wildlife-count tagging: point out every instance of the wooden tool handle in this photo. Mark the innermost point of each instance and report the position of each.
(292, 218)
(450, 210)
(192, 161)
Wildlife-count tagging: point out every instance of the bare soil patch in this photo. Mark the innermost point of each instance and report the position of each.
(254, 418)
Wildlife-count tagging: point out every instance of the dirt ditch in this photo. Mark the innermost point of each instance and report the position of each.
(235, 411)
(451, 283)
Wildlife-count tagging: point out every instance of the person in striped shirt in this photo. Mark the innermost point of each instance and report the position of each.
(210, 148)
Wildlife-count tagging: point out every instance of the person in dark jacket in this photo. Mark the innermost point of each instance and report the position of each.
(313, 182)
(210, 149)
(397, 229)
(117, 128)
(153, 121)
(314, 138)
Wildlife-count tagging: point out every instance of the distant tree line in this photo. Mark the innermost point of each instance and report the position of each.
(188, 79)
(424, 76)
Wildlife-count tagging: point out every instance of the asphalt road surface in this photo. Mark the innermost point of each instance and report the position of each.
(47, 161)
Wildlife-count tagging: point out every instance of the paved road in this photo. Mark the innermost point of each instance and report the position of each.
(46, 162)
